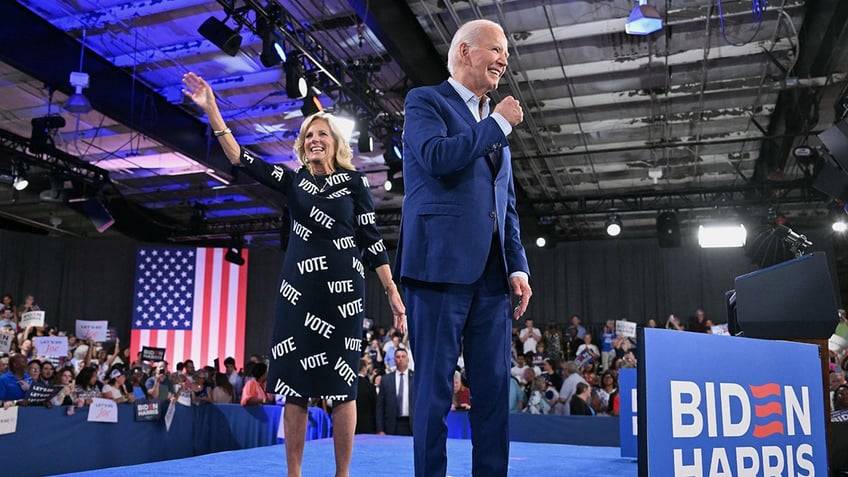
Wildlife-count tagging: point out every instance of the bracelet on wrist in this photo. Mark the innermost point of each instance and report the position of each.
(222, 132)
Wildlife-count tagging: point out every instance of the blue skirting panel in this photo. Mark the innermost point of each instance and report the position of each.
(48, 441)
(576, 430)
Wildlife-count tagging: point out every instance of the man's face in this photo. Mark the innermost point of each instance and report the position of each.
(189, 367)
(836, 380)
(401, 360)
(529, 324)
(484, 60)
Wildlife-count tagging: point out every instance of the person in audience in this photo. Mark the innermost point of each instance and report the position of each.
(28, 305)
(461, 400)
(66, 396)
(517, 371)
(569, 388)
(577, 326)
(589, 375)
(579, 402)
(529, 336)
(106, 358)
(15, 382)
(590, 348)
(116, 388)
(840, 404)
(48, 370)
(698, 322)
(8, 303)
(651, 323)
(527, 388)
(615, 403)
(87, 386)
(673, 323)
(602, 394)
(553, 341)
(550, 373)
(516, 395)
(223, 392)
(188, 369)
(201, 392)
(233, 377)
(254, 391)
(394, 402)
(8, 321)
(837, 378)
(4, 364)
(366, 399)
(539, 354)
(536, 403)
(572, 342)
(34, 371)
(389, 351)
(616, 365)
(137, 383)
(607, 337)
(159, 385)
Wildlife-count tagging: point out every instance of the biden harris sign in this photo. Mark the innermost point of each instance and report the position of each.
(719, 407)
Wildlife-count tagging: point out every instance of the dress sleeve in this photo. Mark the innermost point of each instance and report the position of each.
(274, 176)
(368, 238)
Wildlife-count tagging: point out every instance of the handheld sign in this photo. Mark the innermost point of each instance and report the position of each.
(6, 341)
(32, 318)
(38, 393)
(51, 346)
(625, 328)
(146, 411)
(152, 354)
(169, 415)
(103, 410)
(96, 330)
(9, 420)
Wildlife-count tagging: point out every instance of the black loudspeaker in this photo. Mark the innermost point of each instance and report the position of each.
(835, 139)
(97, 213)
(668, 230)
(832, 180)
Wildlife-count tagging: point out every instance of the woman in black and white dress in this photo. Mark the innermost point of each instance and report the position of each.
(317, 338)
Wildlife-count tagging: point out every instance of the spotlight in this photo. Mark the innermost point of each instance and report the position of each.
(613, 225)
(393, 183)
(366, 142)
(722, 236)
(296, 86)
(19, 180)
(272, 46)
(233, 256)
(222, 36)
(43, 129)
(311, 104)
(643, 20)
(393, 150)
(840, 226)
(668, 230)
(77, 103)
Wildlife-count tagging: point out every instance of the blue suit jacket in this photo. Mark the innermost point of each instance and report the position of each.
(458, 180)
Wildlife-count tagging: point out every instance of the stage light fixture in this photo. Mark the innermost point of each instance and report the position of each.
(613, 225)
(19, 179)
(222, 36)
(311, 103)
(722, 236)
(393, 149)
(77, 103)
(296, 85)
(643, 20)
(394, 184)
(234, 256)
(840, 226)
(365, 143)
(272, 45)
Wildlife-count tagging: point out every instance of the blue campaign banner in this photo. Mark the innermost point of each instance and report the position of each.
(627, 423)
(730, 406)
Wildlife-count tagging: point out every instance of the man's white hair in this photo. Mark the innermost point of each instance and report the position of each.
(467, 33)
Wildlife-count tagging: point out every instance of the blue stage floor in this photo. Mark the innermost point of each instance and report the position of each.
(385, 456)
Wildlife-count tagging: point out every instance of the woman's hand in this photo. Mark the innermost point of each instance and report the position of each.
(198, 90)
(398, 309)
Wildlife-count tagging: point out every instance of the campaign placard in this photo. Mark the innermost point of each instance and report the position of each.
(9, 420)
(627, 422)
(103, 410)
(584, 358)
(32, 318)
(51, 346)
(96, 330)
(146, 410)
(169, 415)
(38, 393)
(625, 328)
(720, 330)
(152, 354)
(756, 409)
(6, 341)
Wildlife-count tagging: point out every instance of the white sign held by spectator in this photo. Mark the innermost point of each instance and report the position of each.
(96, 330)
(625, 328)
(169, 415)
(720, 329)
(32, 318)
(9, 420)
(51, 345)
(6, 341)
(103, 410)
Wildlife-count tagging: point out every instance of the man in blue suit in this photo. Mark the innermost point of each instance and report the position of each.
(394, 403)
(460, 249)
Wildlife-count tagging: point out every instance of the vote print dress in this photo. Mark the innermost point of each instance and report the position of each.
(317, 337)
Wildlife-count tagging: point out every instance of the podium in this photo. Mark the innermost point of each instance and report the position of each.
(792, 301)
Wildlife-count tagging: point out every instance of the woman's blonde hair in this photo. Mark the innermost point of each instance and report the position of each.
(344, 154)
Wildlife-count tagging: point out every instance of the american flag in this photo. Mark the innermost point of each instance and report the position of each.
(191, 302)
